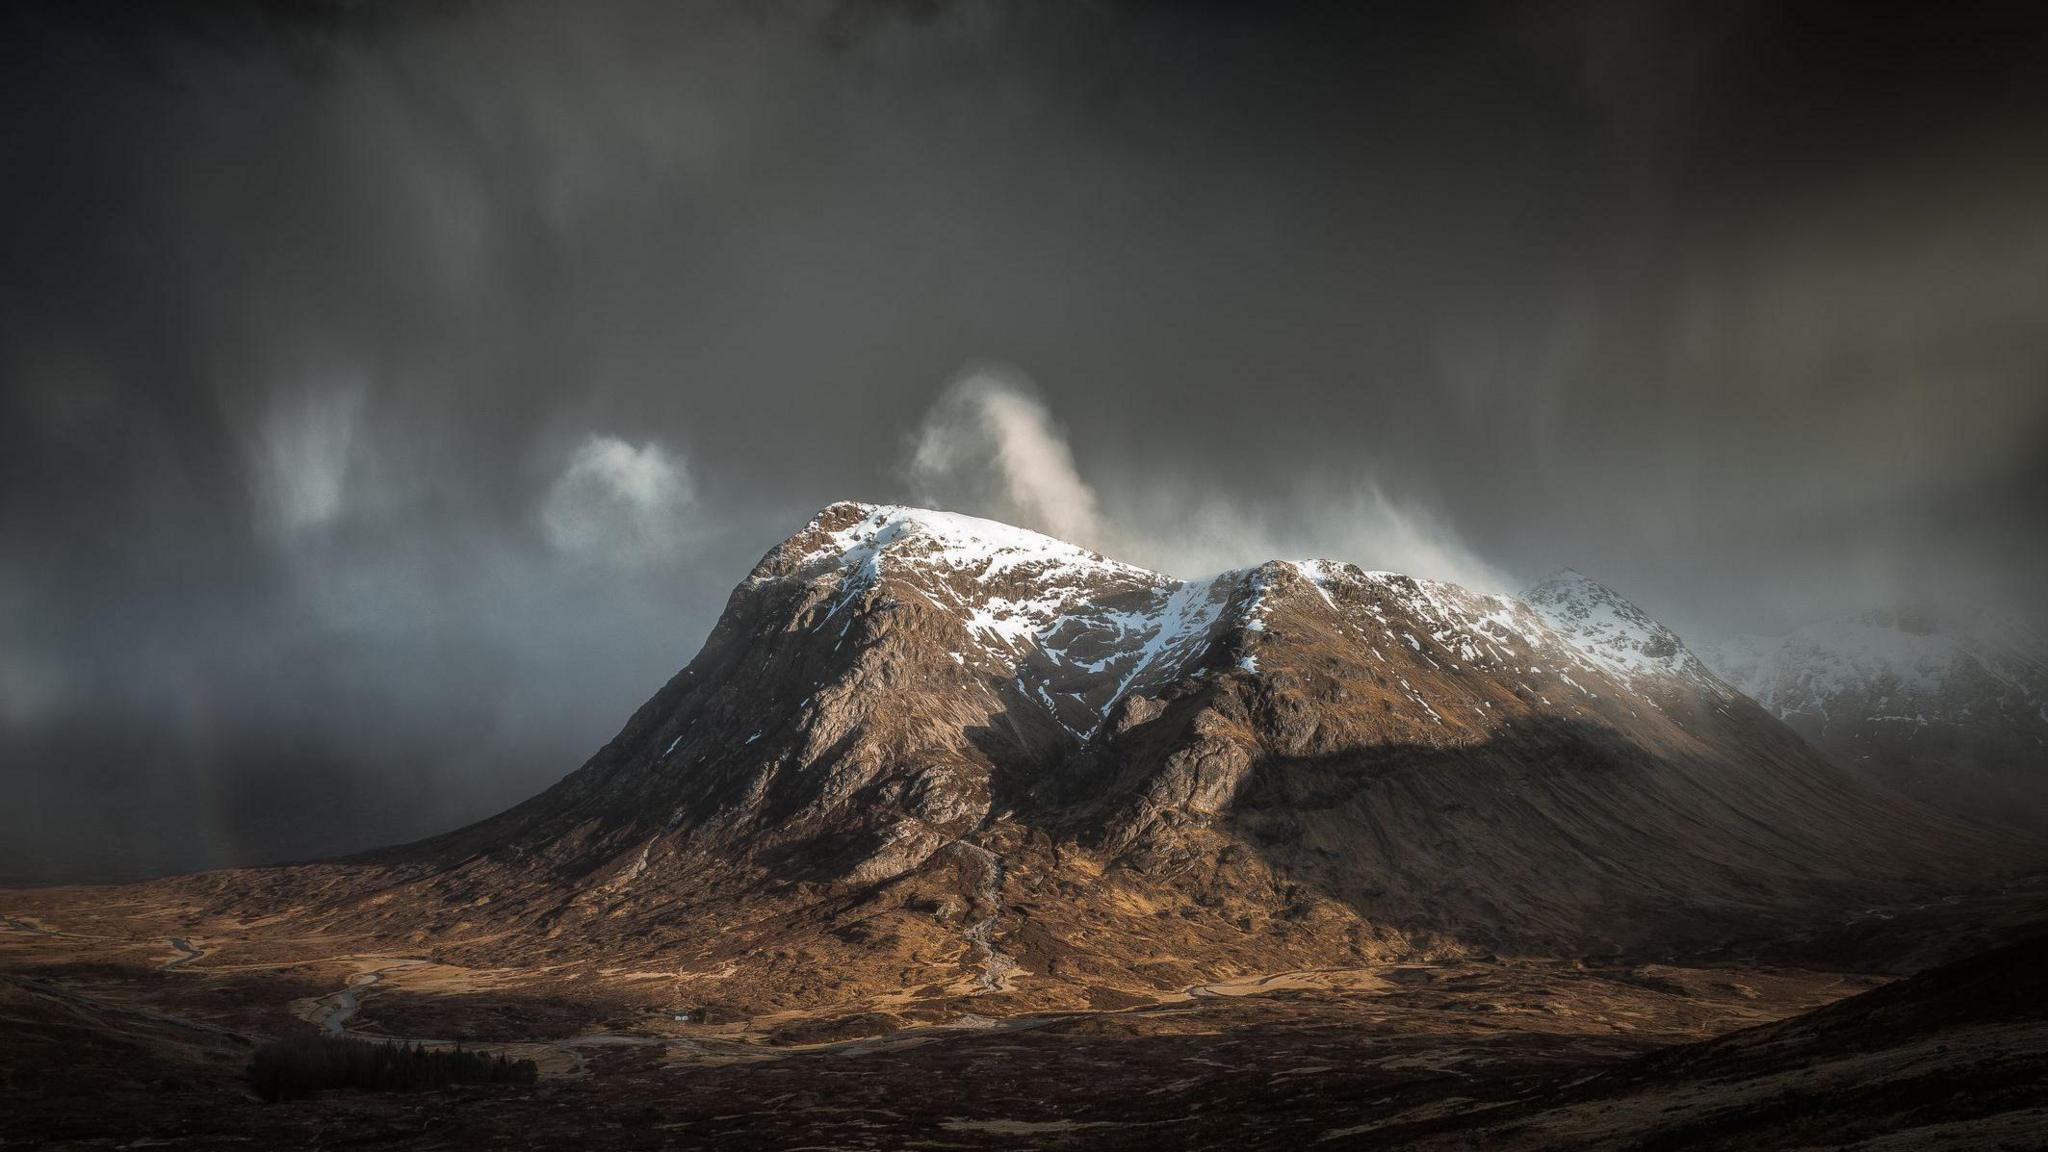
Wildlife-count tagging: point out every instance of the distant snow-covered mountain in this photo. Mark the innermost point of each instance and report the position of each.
(1954, 715)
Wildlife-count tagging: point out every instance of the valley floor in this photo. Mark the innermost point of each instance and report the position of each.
(124, 1041)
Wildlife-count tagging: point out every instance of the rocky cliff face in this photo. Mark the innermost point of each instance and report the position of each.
(925, 749)
(1955, 716)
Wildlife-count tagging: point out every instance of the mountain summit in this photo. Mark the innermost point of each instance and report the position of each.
(1621, 637)
(925, 750)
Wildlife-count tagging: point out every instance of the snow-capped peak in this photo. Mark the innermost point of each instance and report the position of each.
(1610, 631)
(951, 540)
(1073, 629)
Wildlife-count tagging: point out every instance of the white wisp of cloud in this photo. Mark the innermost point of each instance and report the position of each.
(989, 445)
(303, 455)
(1359, 524)
(618, 503)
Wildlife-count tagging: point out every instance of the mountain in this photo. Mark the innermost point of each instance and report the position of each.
(923, 756)
(1956, 716)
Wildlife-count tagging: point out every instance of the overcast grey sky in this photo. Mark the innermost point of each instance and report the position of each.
(390, 396)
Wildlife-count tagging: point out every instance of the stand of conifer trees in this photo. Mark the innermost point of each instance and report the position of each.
(292, 1069)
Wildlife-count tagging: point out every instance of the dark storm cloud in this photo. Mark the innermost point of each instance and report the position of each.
(392, 393)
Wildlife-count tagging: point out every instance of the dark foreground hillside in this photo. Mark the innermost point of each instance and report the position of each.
(1506, 1054)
